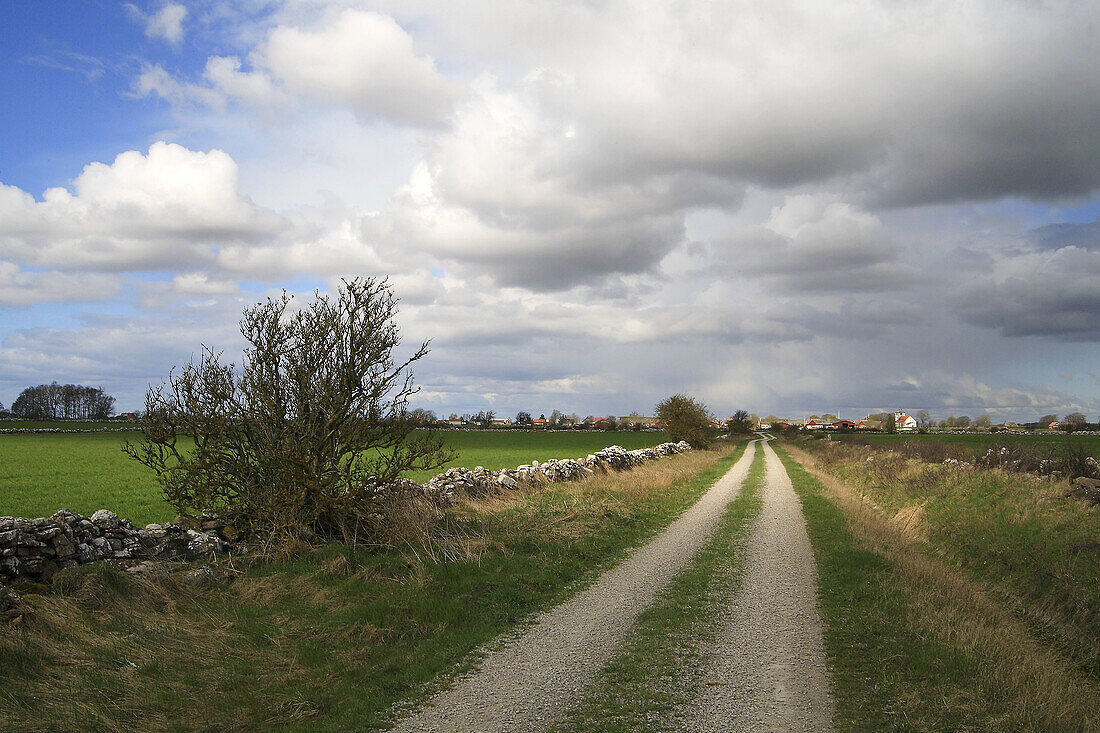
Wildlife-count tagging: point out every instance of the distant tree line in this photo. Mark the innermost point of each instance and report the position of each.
(63, 402)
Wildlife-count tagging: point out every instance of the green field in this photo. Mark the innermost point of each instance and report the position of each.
(974, 444)
(42, 472)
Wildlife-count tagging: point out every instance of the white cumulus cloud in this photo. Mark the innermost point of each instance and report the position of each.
(171, 207)
(165, 23)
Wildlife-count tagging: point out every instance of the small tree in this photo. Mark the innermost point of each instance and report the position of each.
(422, 417)
(310, 431)
(741, 422)
(686, 419)
(1074, 421)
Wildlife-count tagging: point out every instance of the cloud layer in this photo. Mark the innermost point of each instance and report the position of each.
(774, 206)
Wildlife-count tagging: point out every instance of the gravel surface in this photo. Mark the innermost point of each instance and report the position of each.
(529, 680)
(766, 670)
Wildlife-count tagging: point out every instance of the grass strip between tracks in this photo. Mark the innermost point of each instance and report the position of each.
(659, 667)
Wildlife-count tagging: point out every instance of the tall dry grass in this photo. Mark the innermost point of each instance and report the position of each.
(477, 524)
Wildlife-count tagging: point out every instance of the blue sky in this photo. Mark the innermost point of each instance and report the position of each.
(586, 206)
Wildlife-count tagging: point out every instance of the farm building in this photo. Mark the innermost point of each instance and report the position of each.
(842, 425)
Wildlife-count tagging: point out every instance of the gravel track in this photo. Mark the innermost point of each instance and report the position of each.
(765, 670)
(530, 679)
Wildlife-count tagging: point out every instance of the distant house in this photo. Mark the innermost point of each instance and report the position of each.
(455, 422)
(540, 422)
(842, 425)
(601, 423)
(904, 423)
(641, 421)
(814, 424)
(501, 421)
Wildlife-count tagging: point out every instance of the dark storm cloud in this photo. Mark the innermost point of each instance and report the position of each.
(1051, 294)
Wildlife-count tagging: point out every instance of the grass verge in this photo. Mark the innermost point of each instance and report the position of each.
(1020, 533)
(329, 639)
(915, 644)
(660, 665)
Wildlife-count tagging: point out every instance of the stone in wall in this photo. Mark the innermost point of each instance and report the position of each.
(455, 482)
(35, 549)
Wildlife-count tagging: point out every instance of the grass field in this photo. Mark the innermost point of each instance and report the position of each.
(42, 472)
(974, 444)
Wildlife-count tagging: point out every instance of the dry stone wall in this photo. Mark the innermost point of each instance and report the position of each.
(455, 482)
(35, 549)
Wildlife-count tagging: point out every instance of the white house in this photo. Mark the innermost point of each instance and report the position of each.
(904, 423)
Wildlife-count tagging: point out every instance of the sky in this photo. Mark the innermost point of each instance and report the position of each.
(790, 207)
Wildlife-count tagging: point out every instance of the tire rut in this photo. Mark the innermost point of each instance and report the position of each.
(766, 669)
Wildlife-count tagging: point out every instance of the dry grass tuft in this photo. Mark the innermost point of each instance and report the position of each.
(1037, 686)
(910, 521)
(486, 522)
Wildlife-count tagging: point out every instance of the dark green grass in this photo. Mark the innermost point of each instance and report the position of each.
(652, 680)
(972, 445)
(42, 472)
(327, 641)
(888, 673)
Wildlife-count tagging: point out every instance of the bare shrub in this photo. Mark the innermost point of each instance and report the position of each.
(1075, 461)
(311, 430)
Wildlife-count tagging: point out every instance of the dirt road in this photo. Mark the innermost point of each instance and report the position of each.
(766, 669)
(529, 680)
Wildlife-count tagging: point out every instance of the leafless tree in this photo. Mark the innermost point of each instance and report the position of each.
(308, 434)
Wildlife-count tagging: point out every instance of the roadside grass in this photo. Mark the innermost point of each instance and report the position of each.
(660, 665)
(326, 639)
(42, 472)
(1040, 548)
(915, 644)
